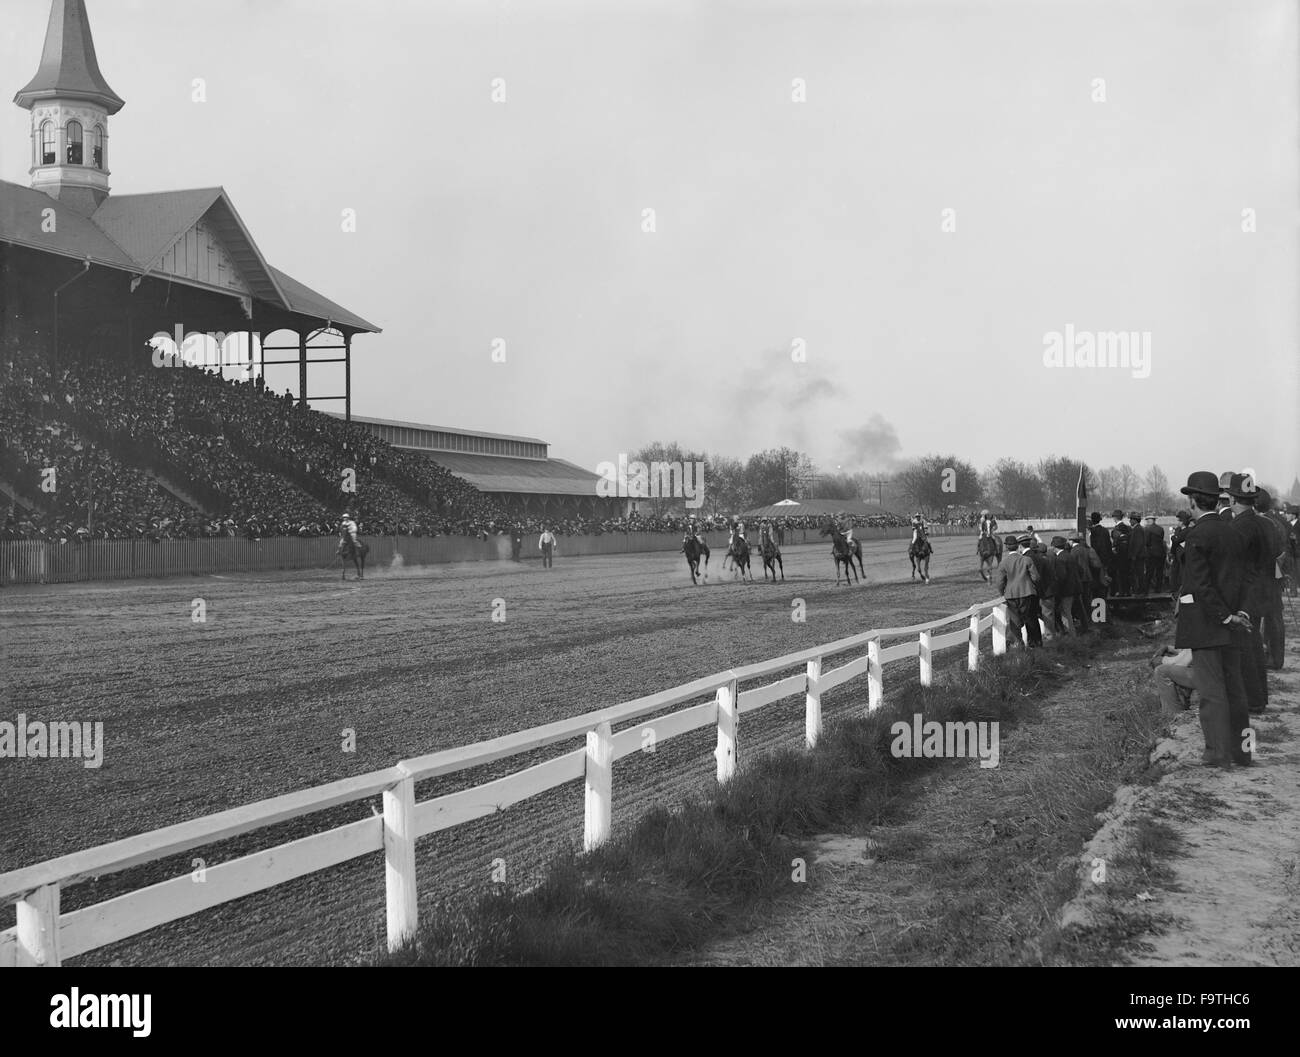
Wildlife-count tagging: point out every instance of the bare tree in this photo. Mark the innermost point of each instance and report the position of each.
(1126, 484)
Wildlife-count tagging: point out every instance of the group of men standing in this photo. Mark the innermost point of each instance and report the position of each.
(1133, 555)
(1055, 582)
(1236, 554)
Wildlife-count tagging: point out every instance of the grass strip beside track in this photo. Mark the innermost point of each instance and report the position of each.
(680, 878)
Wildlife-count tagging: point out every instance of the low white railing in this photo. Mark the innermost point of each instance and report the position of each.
(44, 935)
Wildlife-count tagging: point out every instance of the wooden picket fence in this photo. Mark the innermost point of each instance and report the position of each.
(44, 936)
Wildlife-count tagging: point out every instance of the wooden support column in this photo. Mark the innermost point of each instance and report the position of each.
(302, 368)
(347, 377)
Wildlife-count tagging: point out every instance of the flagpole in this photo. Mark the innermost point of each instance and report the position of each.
(1081, 506)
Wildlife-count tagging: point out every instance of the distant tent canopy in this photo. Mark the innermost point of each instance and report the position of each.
(817, 508)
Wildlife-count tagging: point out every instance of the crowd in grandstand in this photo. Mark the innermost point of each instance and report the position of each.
(176, 452)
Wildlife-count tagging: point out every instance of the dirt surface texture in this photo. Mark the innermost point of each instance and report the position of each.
(257, 700)
(1228, 894)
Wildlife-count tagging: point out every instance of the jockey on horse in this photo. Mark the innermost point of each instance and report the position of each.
(989, 545)
(919, 549)
(769, 549)
(351, 548)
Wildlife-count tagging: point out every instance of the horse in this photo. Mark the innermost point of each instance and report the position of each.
(918, 553)
(693, 548)
(990, 554)
(771, 552)
(738, 552)
(843, 552)
(354, 554)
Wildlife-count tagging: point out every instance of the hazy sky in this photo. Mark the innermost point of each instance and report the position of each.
(775, 220)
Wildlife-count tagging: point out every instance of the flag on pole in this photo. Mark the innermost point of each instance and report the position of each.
(1081, 507)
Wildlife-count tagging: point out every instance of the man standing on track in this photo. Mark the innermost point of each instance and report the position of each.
(546, 544)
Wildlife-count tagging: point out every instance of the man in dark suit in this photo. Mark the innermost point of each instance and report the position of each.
(1091, 575)
(1066, 587)
(1274, 625)
(1154, 541)
(1137, 554)
(1018, 581)
(1176, 540)
(1207, 611)
(1119, 540)
(1099, 540)
(1258, 555)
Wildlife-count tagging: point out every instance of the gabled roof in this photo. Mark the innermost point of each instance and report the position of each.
(134, 232)
(68, 68)
(148, 225)
(305, 300)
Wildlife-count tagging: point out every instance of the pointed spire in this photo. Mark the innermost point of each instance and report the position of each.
(68, 67)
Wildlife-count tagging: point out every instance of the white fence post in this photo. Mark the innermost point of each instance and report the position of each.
(999, 629)
(812, 724)
(875, 677)
(399, 862)
(38, 925)
(728, 731)
(924, 654)
(600, 787)
(973, 643)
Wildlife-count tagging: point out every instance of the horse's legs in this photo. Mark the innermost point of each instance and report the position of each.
(782, 564)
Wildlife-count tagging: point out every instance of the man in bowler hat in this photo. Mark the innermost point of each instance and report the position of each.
(1207, 613)
(1119, 540)
(1099, 540)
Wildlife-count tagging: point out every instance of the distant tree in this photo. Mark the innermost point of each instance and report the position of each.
(725, 490)
(1155, 496)
(1126, 485)
(1107, 481)
(1020, 490)
(672, 452)
(838, 486)
(779, 473)
(1060, 477)
(936, 482)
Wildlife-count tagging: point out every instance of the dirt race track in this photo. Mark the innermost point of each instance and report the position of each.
(253, 703)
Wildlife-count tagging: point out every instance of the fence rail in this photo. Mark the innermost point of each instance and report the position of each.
(39, 562)
(44, 936)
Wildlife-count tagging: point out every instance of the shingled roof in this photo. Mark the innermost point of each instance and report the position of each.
(495, 473)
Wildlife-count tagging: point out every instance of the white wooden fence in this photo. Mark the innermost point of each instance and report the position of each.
(45, 936)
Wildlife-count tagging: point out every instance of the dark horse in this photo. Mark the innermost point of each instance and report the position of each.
(990, 554)
(738, 552)
(354, 554)
(770, 552)
(693, 548)
(918, 553)
(843, 552)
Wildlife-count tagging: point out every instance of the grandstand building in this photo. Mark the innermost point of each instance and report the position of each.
(516, 472)
(87, 273)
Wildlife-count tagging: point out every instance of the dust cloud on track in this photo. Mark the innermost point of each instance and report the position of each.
(254, 703)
